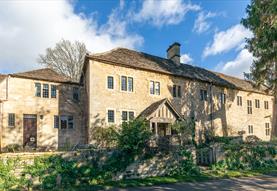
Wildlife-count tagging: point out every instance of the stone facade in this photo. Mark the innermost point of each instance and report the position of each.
(21, 100)
(224, 119)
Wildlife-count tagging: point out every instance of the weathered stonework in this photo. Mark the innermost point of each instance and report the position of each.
(227, 119)
(21, 100)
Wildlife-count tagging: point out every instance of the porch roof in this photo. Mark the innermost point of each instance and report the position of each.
(149, 111)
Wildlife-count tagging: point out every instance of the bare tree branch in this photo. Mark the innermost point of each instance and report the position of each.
(66, 58)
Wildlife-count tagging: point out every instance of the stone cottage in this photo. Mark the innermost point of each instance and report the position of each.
(43, 109)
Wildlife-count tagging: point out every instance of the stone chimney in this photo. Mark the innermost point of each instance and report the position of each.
(173, 53)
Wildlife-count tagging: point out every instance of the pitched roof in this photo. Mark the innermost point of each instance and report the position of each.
(144, 61)
(46, 74)
(154, 106)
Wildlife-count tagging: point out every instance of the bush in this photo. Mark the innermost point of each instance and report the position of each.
(133, 137)
(105, 137)
(248, 157)
(186, 165)
(8, 179)
(185, 130)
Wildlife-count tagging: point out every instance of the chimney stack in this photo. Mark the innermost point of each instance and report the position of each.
(173, 53)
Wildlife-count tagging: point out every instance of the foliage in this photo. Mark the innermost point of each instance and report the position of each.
(66, 58)
(133, 137)
(186, 165)
(13, 148)
(252, 139)
(7, 177)
(185, 130)
(248, 157)
(261, 19)
(105, 137)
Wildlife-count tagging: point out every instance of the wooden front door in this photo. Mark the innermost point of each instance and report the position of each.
(30, 130)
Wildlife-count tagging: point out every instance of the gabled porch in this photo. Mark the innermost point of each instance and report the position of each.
(160, 115)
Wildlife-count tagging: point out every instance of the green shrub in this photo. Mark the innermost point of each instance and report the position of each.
(186, 165)
(185, 130)
(133, 137)
(248, 157)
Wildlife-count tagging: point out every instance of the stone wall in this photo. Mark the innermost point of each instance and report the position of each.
(224, 120)
(22, 100)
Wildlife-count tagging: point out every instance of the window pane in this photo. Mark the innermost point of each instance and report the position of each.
(152, 87)
(110, 82)
(63, 122)
(174, 91)
(45, 91)
(11, 120)
(76, 94)
(111, 116)
(70, 122)
(124, 115)
(56, 121)
(179, 91)
(123, 83)
(130, 84)
(38, 89)
(53, 91)
(131, 115)
(157, 88)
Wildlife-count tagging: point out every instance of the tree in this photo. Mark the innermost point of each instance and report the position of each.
(66, 58)
(261, 19)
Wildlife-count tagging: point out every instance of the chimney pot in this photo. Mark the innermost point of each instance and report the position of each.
(173, 53)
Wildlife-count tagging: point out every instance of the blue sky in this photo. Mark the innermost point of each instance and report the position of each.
(209, 32)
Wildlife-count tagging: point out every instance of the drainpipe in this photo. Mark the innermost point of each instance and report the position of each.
(211, 106)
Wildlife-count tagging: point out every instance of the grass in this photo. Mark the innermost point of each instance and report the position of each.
(205, 176)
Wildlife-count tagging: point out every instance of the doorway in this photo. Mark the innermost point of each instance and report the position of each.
(30, 131)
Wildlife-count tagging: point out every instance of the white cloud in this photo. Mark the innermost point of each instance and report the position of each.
(201, 24)
(186, 59)
(224, 41)
(164, 12)
(28, 28)
(239, 65)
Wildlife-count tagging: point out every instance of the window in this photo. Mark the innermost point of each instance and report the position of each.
(70, 122)
(239, 100)
(123, 83)
(250, 129)
(267, 129)
(45, 91)
(179, 91)
(56, 121)
(127, 115)
(11, 120)
(257, 103)
(131, 115)
(38, 89)
(130, 84)
(152, 87)
(53, 91)
(249, 106)
(155, 88)
(111, 118)
(76, 94)
(176, 91)
(222, 98)
(203, 95)
(110, 82)
(63, 122)
(124, 116)
(266, 104)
